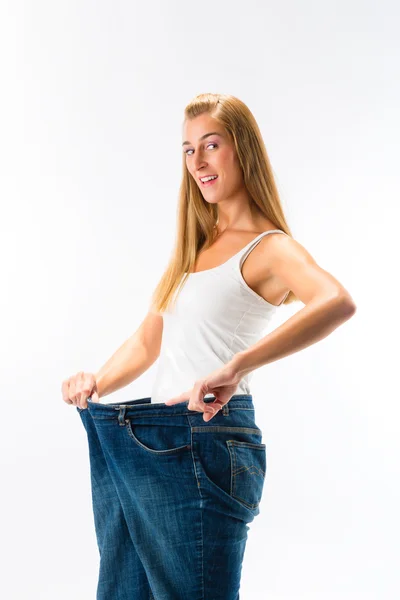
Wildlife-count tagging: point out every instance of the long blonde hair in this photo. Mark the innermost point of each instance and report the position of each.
(196, 218)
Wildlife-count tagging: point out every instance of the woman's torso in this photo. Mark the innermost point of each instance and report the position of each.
(218, 312)
(254, 270)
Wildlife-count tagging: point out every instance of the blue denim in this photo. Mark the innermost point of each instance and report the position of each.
(172, 497)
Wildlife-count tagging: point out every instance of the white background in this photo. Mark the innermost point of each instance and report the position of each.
(91, 108)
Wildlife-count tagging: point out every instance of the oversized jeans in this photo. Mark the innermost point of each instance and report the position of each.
(172, 497)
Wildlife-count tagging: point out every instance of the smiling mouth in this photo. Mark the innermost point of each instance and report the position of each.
(209, 182)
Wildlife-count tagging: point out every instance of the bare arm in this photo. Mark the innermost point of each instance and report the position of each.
(328, 305)
(133, 358)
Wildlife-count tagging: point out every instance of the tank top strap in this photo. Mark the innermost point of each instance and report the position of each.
(242, 255)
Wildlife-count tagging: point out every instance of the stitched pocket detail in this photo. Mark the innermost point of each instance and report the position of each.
(163, 452)
(248, 469)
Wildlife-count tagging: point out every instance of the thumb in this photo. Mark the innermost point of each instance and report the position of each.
(95, 396)
(221, 398)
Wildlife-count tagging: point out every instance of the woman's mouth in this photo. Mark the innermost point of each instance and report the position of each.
(209, 182)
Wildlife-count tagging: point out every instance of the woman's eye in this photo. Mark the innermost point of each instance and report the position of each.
(210, 144)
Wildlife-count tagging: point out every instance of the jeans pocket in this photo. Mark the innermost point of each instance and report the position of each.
(159, 439)
(248, 467)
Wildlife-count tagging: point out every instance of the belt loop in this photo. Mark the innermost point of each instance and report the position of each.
(225, 410)
(121, 416)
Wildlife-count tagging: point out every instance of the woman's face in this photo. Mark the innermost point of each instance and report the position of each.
(212, 154)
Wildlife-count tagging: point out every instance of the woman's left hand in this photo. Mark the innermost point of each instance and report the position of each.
(222, 383)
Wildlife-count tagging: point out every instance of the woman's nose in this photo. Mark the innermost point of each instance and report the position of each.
(199, 162)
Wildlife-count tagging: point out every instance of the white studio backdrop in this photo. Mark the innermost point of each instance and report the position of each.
(90, 118)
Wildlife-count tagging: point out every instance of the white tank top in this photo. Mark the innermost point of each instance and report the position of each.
(216, 315)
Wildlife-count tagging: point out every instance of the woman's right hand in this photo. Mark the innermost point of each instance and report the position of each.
(78, 388)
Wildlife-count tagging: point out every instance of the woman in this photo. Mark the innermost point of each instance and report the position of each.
(173, 494)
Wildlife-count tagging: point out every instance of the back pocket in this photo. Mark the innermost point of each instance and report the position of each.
(248, 468)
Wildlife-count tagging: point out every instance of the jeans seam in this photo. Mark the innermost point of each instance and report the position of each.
(201, 507)
(227, 428)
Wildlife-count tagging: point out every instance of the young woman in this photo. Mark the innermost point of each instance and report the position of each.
(178, 476)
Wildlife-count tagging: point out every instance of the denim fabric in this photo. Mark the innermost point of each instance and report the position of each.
(172, 497)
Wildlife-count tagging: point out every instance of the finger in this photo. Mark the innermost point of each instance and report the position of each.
(72, 391)
(213, 407)
(200, 390)
(207, 416)
(86, 389)
(80, 378)
(211, 410)
(195, 403)
(177, 399)
(65, 391)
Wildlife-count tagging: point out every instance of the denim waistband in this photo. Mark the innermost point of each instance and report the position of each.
(146, 407)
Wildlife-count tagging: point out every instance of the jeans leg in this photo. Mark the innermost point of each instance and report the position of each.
(121, 574)
(161, 503)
